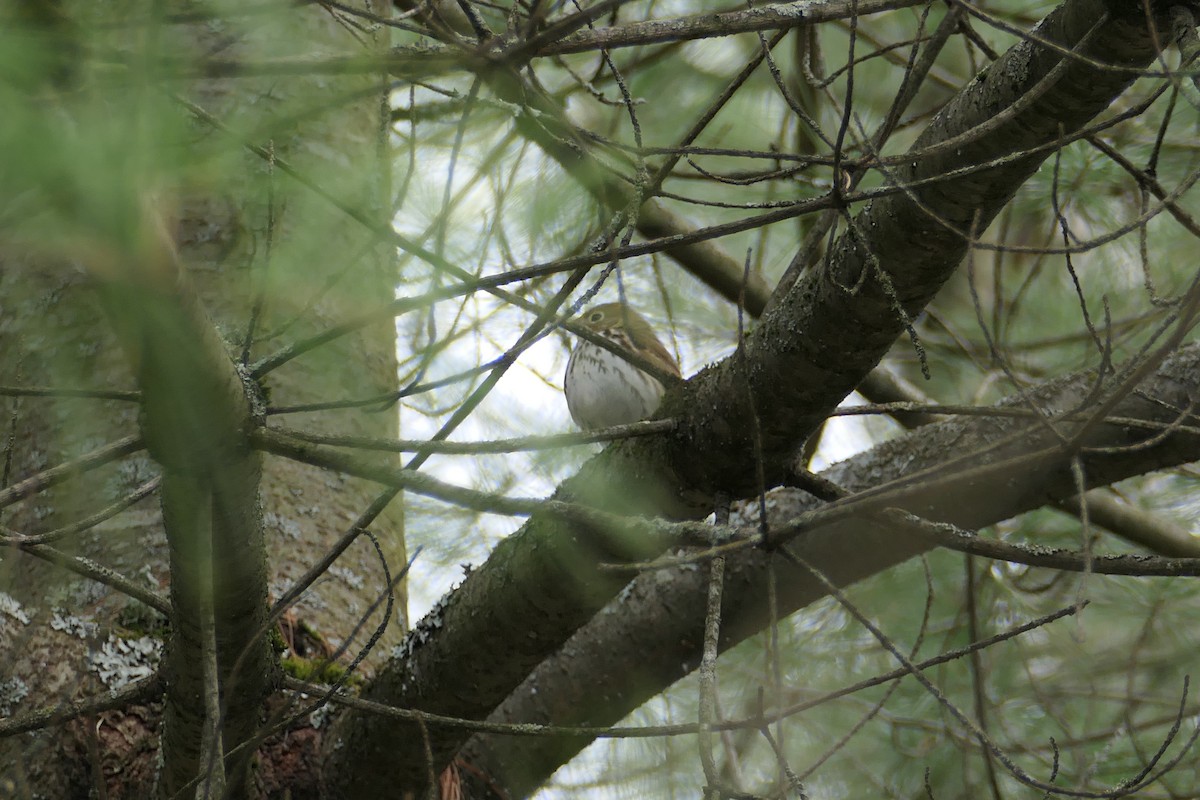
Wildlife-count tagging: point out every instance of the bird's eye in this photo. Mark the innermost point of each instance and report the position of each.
(595, 316)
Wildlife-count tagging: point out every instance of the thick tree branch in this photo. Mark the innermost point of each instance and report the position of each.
(822, 337)
(651, 636)
(543, 583)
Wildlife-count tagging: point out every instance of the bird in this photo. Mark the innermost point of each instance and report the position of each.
(603, 389)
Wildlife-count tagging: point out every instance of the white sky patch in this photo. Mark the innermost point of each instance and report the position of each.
(845, 437)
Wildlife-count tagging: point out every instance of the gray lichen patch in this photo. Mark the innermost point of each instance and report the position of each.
(12, 692)
(10, 607)
(120, 662)
(72, 625)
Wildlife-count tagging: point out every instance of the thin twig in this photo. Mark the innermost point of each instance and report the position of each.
(139, 691)
(68, 469)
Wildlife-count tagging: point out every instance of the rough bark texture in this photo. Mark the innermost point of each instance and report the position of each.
(541, 584)
(42, 663)
(821, 338)
(651, 635)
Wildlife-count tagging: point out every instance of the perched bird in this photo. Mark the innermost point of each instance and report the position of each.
(604, 389)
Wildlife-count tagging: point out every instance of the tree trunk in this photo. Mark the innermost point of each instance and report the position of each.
(252, 243)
